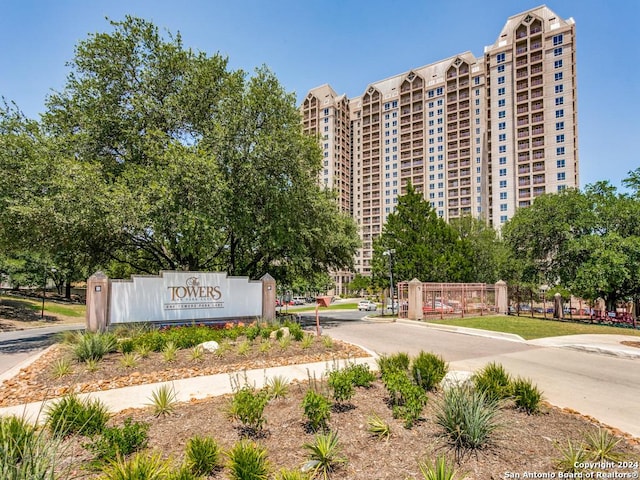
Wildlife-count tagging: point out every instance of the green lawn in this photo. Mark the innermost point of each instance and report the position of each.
(333, 306)
(50, 308)
(532, 328)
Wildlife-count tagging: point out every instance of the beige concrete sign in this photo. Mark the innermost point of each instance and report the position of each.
(183, 296)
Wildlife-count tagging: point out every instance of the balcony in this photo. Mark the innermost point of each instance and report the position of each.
(523, 109)
(523, 182)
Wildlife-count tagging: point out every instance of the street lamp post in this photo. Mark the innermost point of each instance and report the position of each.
(390, 253)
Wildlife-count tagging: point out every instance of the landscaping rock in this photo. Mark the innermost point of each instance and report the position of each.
(285, 333)
(210, 346)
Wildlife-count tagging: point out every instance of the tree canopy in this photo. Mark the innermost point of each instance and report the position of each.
(155, 157)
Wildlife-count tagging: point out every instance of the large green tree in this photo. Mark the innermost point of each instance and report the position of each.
(424, 245)
(157, 157)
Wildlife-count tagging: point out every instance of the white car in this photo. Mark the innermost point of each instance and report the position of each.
(367, 305)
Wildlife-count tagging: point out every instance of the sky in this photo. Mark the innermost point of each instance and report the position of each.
(347, 44)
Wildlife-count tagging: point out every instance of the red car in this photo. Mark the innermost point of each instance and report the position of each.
(437, 307)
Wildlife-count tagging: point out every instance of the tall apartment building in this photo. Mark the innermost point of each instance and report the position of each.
(477, 136)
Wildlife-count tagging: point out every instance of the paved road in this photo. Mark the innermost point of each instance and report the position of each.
(603, 386)
(16, 346)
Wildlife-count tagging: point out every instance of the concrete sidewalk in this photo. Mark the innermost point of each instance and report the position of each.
(193, 388)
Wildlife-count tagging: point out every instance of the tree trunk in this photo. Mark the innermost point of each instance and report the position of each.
(67, 290)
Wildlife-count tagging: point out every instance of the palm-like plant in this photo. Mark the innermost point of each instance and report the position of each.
(163, 400)
(324, 455)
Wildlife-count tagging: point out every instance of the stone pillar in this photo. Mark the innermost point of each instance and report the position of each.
(268, 298)
(415, 300)
(502, 297)
(97, 315)
(557, 306)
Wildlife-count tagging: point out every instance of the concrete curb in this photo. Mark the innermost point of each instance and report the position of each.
(465, 331)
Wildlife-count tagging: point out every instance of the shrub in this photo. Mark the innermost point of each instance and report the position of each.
(397, 361)
(248, 461)
(163, 400)
(197, 354)
(70, 415)
(413, 401)
(317, 409)
(361, 375)
(526, 395)
(244, 347)
(493, 381)
(126, 345)
(295, 330)
(327, 342)
(324, 455)
(91, 365)
(265, 346)
(94, 345)
(307, 341)
(139, 467)
(16, 435)
(202, 455)
(440, 470)
(428, 370)
(129, 360)
(378, 427)
(467, 416)
(284, 342)
(182, 473)
(291, 475)
(247, 406)
(117, 442)
(252, 332)
(340, 383)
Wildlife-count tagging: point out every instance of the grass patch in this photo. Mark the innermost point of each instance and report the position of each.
(333, 306)
(532, 328)
(50, 308)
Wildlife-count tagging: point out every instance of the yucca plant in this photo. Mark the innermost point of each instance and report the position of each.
(223, 347)
(202, 455)
(277, 386)
(467, 416)
(428, 370)
(526, 395)
(571, 455)
(170, 352)
(197, 354)
(439, 470)
(244, 347)
(285, 342)
(378, 427)
(493, 381)
(129, 360)
(307, 341)
(248, 461)
(26, 454)
(140, 466)
(94, 345)
(291, 475)
(265, 346)
(61, 367)
(71, 415)
(92, 365)
(324, 455)
(143, 350)
(600, 446)
(163, 400)
(327, 342)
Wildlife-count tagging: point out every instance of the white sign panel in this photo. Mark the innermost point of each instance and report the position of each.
(184, 296)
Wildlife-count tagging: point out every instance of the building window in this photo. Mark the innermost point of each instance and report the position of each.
(560, 113)
(500, 68)
(500, 79)
(394, 104)
(387, 106)
(559, 88)
(557, 64)
(561, 176)
(560, 151)
(503, 207)
(559, 138)
(503, 195)
(560, 163)
(557, 39)
(502, 137)
(503, 160)
(503, 172)
(326, 120)
(500, 58)
(326, 129)
(326, 111)
(476, 80)
(503, 219)
(502, 149)
(439, 91)
(503, 184)
(559, 125)
(557, 76)
(431, 104)
(501, 102)
(502, 125)
(561, 187)
(501, 91)
(557, 51)
(502, 114)
(560, 101)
